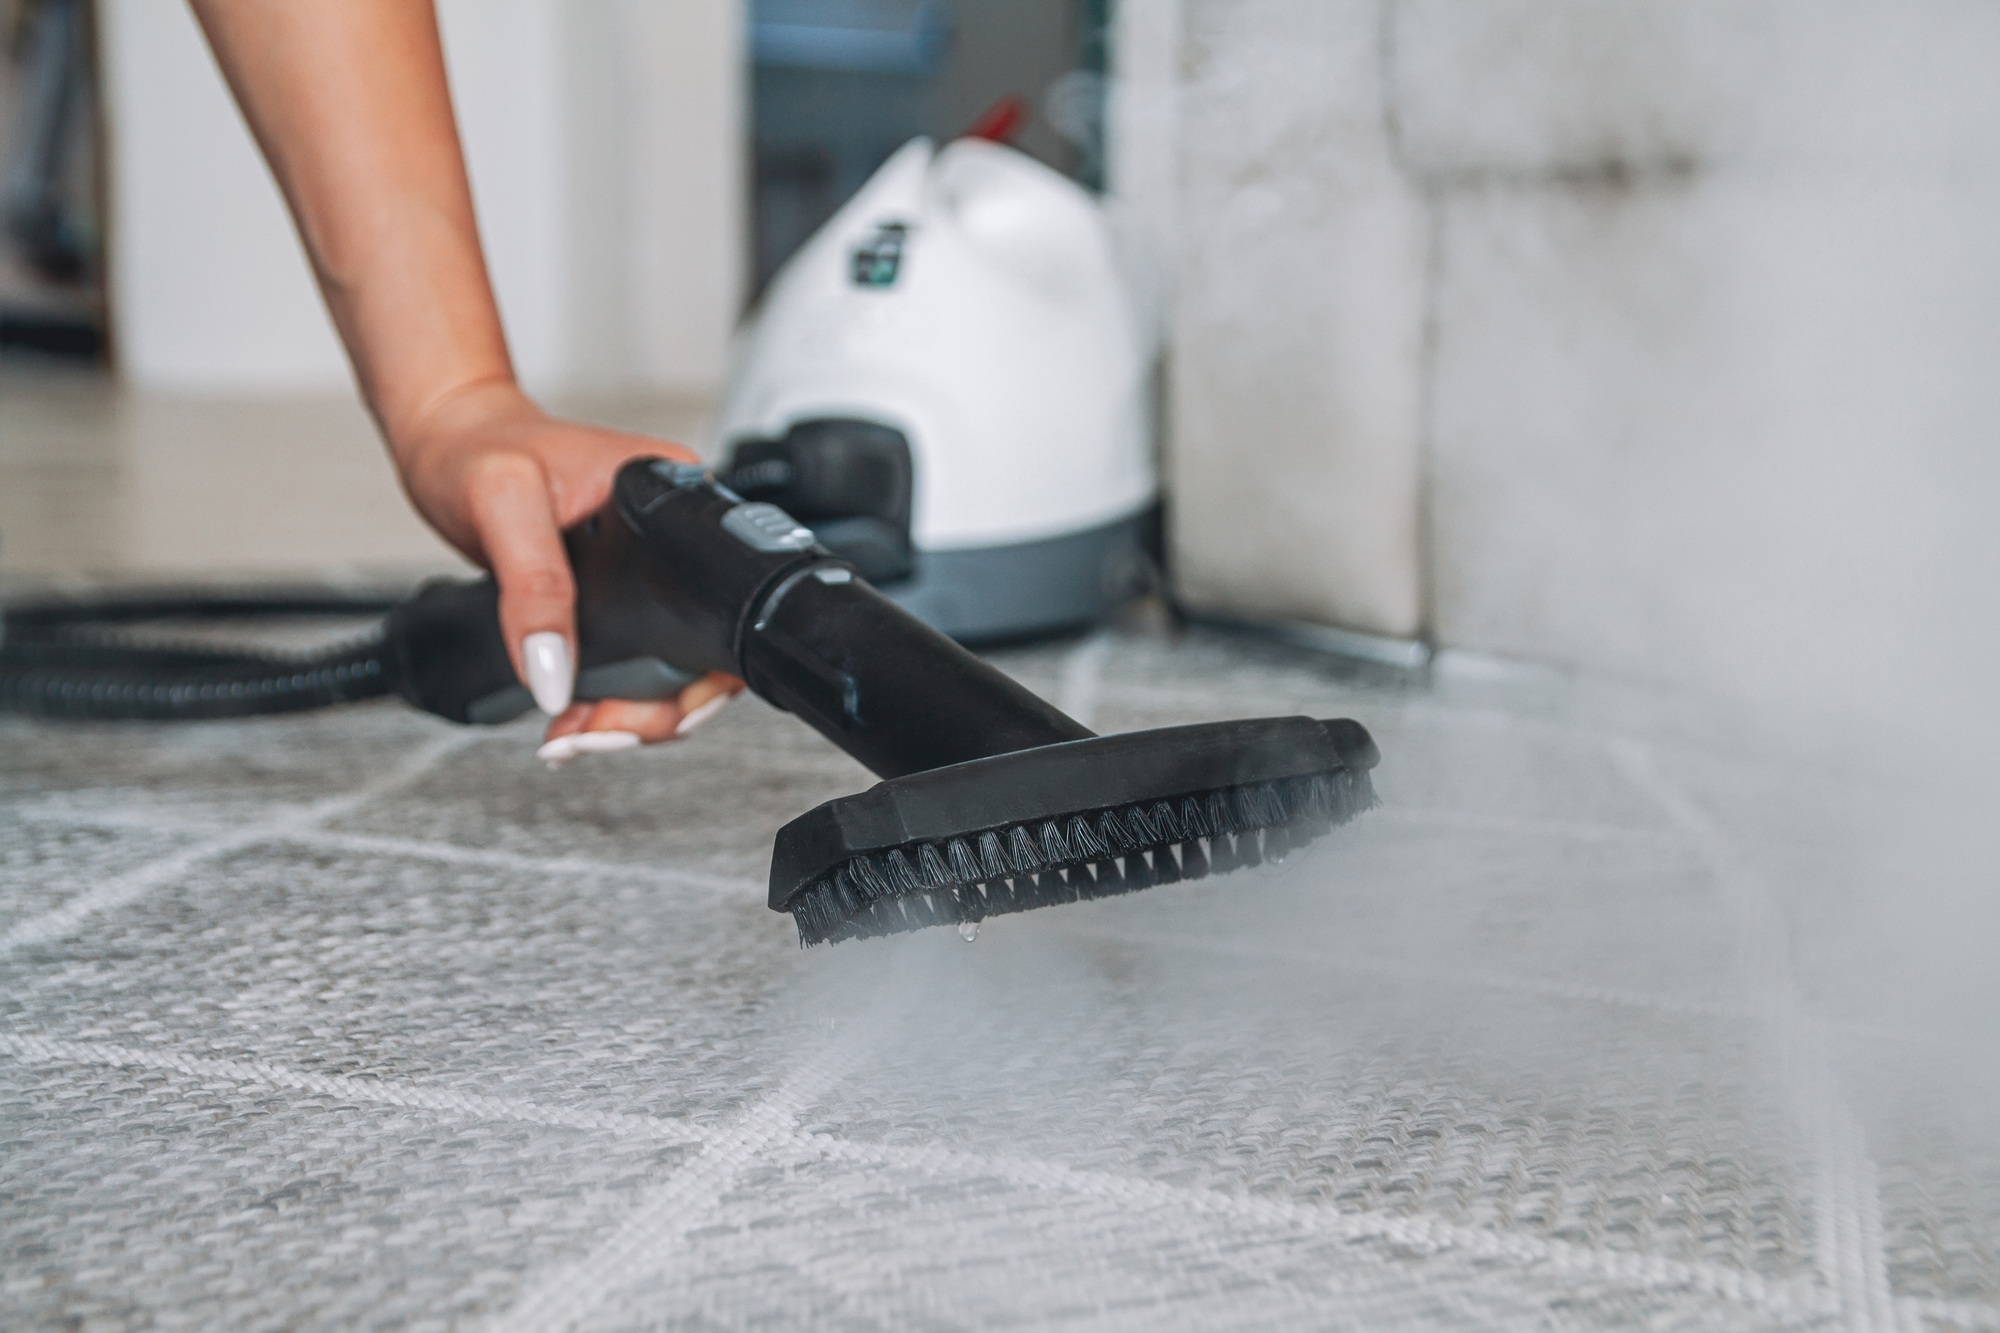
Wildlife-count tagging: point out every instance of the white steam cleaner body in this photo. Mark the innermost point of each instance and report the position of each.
(949, 385)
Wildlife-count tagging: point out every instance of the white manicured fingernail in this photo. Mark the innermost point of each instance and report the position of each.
(562, 749)
(697, 716)
(557, 752)
(603, 742)
(550, 675)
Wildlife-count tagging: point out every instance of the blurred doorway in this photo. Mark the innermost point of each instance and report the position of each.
(51, 253)
(839, 85)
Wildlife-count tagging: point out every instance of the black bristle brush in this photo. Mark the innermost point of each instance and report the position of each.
(992, 801)
(897, 857)
(1066, 822)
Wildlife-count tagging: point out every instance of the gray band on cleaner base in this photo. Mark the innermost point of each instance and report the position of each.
(1001, 592)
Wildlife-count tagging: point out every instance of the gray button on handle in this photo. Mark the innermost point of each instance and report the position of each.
(679, 474)
(765, 527)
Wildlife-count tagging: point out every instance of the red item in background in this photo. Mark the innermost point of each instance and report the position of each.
(1001, 121)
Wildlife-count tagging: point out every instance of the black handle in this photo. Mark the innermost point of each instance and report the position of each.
(884, 686)
(678, 576)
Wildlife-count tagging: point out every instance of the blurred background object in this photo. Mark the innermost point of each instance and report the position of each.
(839, 85)
(51, 297)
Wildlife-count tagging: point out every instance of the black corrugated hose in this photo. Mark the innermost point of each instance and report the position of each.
(69, 658)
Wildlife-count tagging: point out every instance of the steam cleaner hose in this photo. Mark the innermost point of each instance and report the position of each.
(79, 658)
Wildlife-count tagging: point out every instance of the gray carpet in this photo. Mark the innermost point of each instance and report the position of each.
(358, 1019)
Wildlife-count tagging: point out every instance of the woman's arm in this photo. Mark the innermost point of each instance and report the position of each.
(348, 100)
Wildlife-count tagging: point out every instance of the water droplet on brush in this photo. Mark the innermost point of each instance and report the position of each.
(968, 931)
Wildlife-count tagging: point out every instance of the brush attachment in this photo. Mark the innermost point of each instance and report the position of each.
(1066, 823)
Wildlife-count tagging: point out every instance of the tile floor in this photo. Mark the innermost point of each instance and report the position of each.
(358, 1018)
(101, 480)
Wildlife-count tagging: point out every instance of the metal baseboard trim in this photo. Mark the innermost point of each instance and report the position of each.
(1379, 649)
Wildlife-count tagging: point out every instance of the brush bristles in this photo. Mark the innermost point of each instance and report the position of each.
(1090, 854)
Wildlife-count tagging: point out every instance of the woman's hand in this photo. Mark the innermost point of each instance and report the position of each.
(501, 479)
(348, 100)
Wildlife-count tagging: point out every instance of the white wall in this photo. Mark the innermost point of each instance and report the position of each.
(604, 139)
(208, 288)
(656, 205)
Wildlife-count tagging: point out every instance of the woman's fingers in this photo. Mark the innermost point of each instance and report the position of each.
(507, 497)
(704, 699)
(613, 724)
(619, 724)
(570, 721)
(555, 753)
(655, 720)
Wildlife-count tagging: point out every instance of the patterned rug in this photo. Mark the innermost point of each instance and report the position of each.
(359, 1019)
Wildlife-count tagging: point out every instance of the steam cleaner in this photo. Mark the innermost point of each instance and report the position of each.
(947, 383)
(992, 801)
